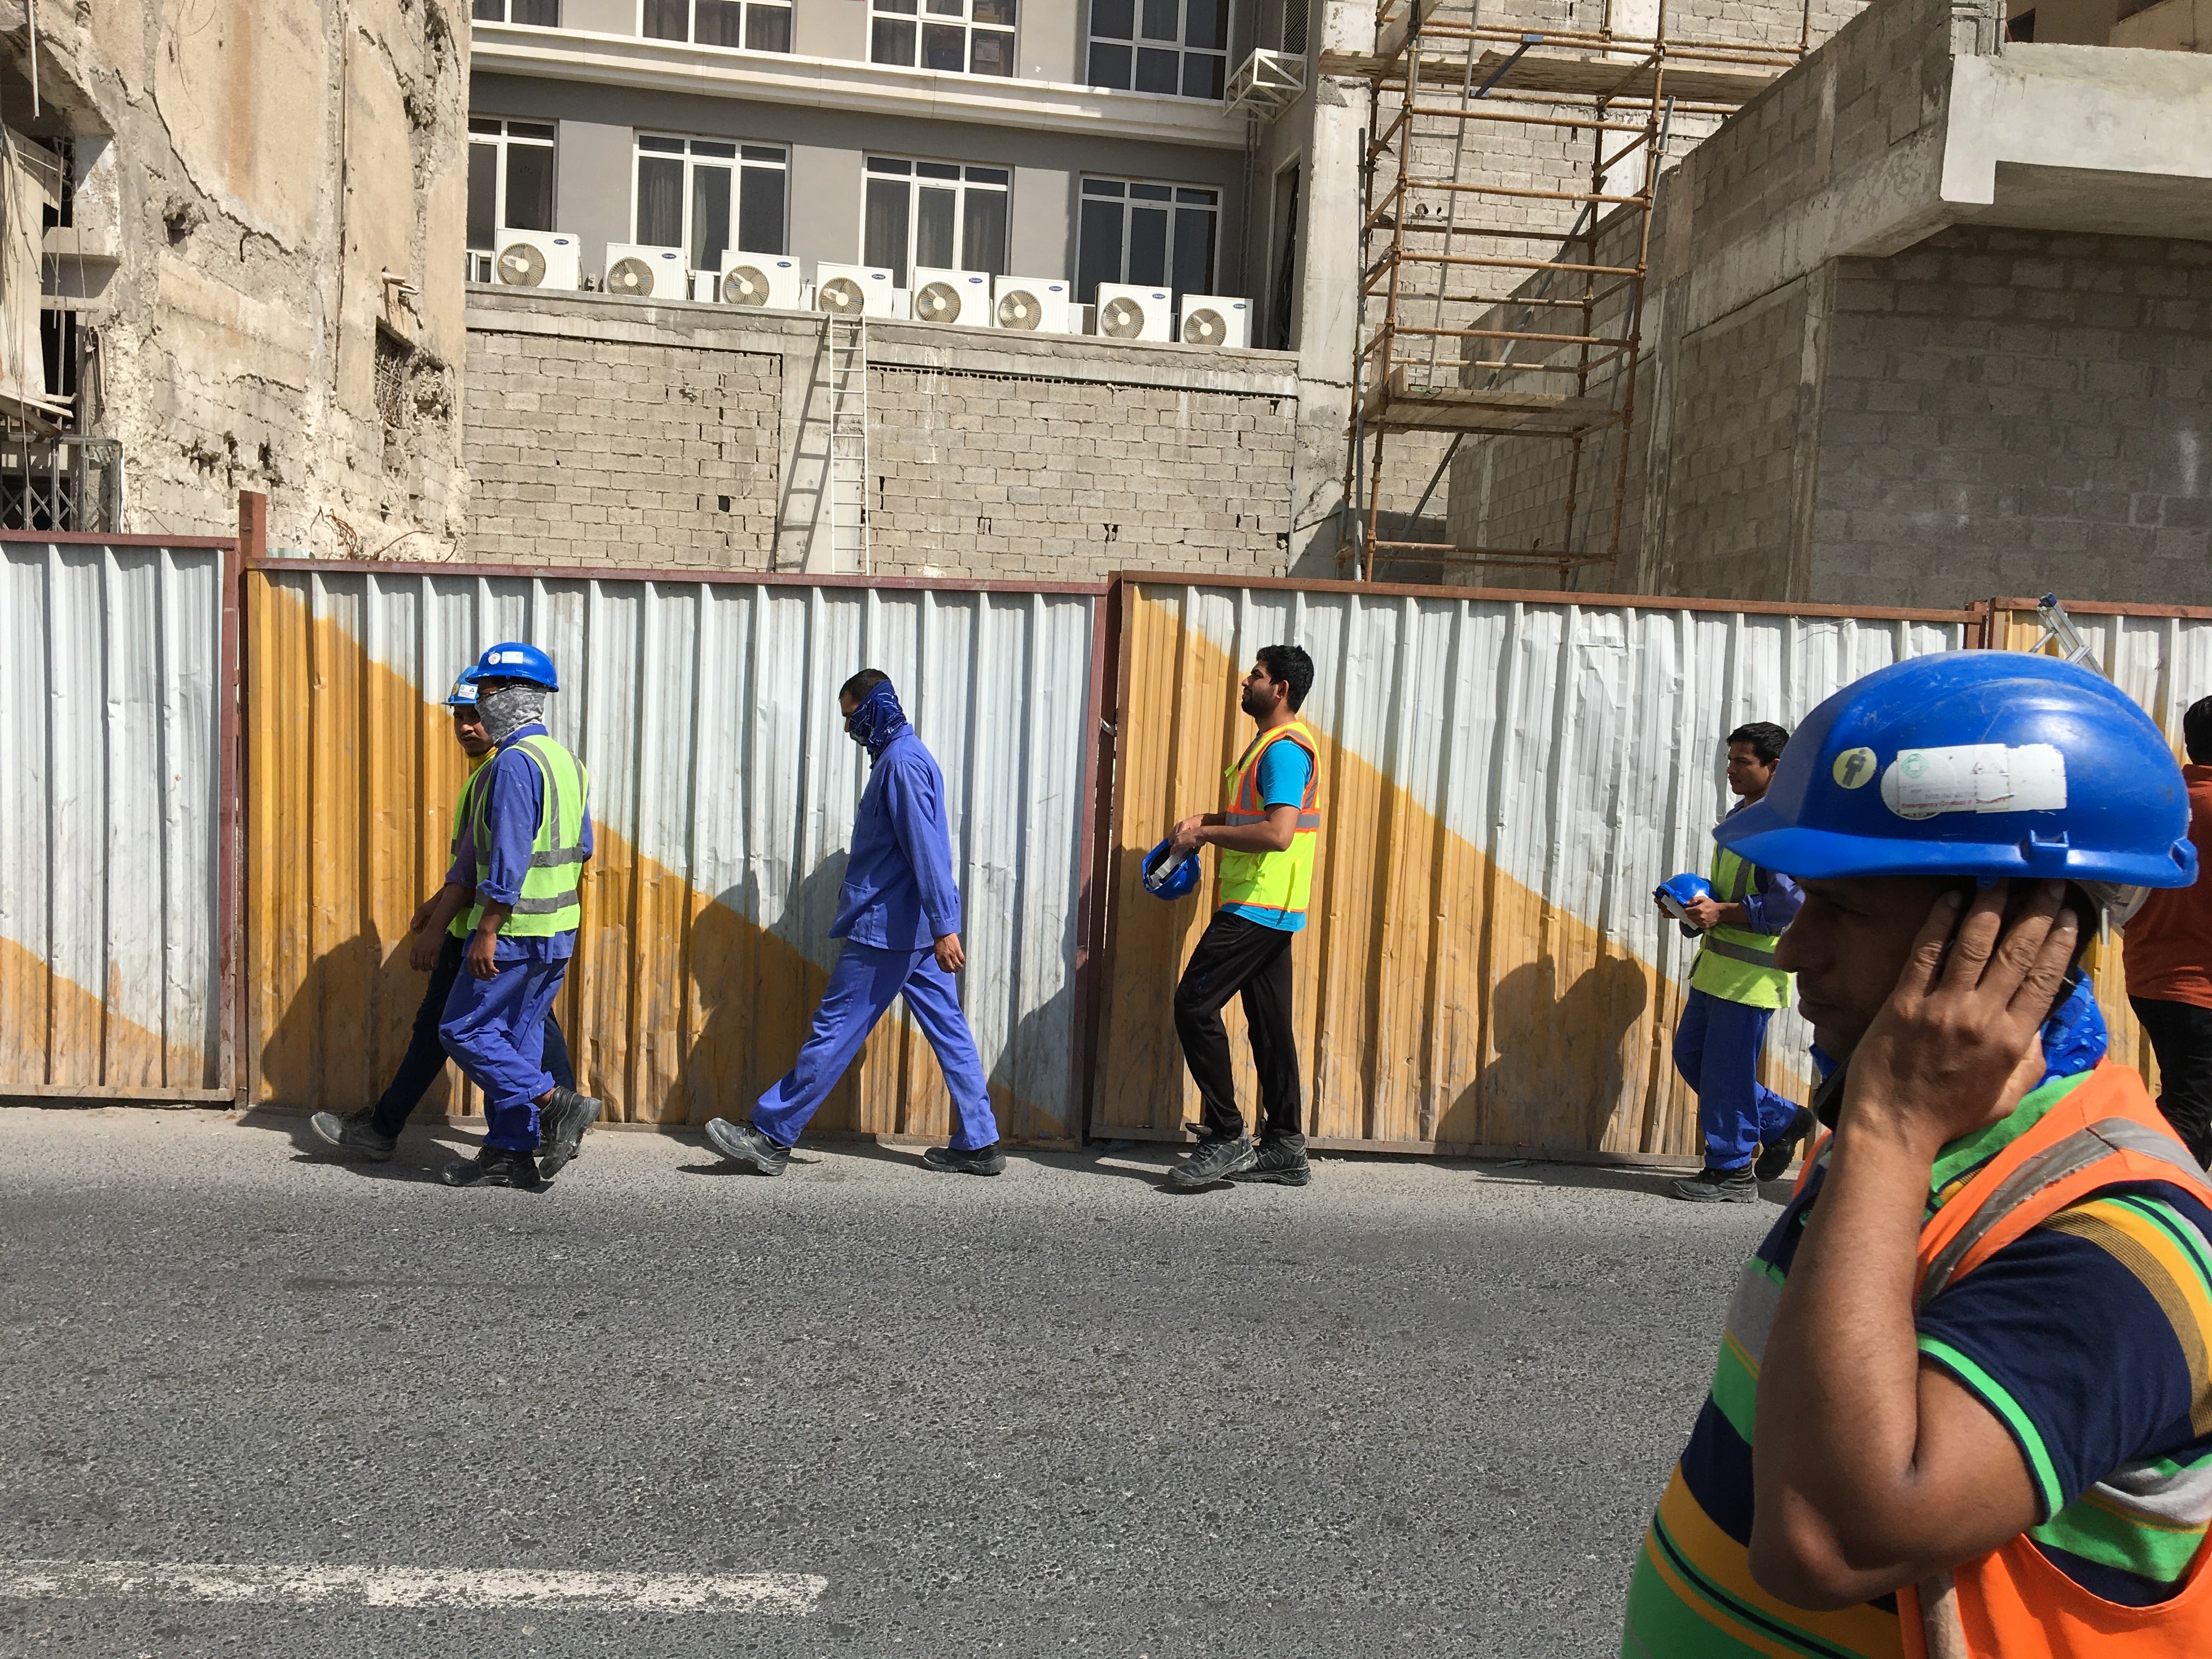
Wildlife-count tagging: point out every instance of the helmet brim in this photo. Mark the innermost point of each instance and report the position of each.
(1807, 854)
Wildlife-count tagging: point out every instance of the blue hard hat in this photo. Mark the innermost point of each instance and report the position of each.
(512, 660)
(463, 694)
(1179, 880)
(1684, 888)
(1991, 763)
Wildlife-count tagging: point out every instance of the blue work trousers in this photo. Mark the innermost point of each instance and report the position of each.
(1717, 1051)
(426, 1052)
(494, 1029)
(861, 988)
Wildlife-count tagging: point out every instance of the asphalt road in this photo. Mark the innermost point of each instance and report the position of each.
(1412, 1409)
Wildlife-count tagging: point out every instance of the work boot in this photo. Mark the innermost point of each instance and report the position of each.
(974, 1160)
(495, 1166)
(1212, 1161)
(562, 1122)
(1774, 1160)
(1281, 1160)
(354, 1133)
(743, 1143)
(1719, 1187)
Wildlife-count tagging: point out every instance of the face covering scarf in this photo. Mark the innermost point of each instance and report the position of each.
(877, 720)
(505, 709)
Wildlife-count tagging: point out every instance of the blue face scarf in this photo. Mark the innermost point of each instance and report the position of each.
(877, 720)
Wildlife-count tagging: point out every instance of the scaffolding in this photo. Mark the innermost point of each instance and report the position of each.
(1478, 317)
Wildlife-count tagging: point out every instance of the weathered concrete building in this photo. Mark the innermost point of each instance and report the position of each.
(246, 271)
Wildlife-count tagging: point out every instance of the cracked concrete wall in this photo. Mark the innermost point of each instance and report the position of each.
(267, 162)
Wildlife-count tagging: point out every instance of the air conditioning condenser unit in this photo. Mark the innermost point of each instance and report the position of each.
(537, 258)
(1216, 320)
(951, 296)
(767, 280)
(1033, 302)
(645, 273)
(1127, 312)
(852, 290)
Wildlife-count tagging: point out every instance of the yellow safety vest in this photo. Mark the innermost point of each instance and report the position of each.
(1737, 965)
(458, 927)
(550, 903)
(1281, 881)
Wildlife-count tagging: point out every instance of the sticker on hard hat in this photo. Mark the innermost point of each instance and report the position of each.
(1975, 777)
(1854, 766)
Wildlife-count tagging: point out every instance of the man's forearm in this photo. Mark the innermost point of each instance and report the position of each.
(494, 918)
(451, 900)
(1261, 837)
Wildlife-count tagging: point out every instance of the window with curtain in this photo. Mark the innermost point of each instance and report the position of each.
(1179, 48)
(751, 25)
(711, 196)
(1132, 230)
(970, 36)
(934, 213)
(510, 178)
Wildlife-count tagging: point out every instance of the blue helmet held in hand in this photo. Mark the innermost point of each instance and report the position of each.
(514, 660)
(1165, 883)
(1988, 763)
(463, 694)
(1674, 894)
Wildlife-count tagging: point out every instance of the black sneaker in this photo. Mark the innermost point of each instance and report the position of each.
(1282, 1160)
(1214, 1161)
(562, 1123)
(978, 1160)
(743, 1143)
(495, 1166)
(1773, 1160)
(1719, 1187)
(354, 1133)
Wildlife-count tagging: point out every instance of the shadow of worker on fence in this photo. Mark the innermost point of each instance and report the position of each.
(1560, 1069)
(340, 1034)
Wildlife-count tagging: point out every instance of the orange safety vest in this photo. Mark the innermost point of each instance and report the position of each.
(1281, 881)
(2012, 1603)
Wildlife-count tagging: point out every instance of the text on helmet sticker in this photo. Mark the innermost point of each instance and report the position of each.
(1975, 777)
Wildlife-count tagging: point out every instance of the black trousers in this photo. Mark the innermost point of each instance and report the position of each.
(2180, 1035)
(426, 1056)
(1233, 956)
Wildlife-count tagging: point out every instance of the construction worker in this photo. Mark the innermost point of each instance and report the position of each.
(899, 915)
(1751, 1134)
(1263, 880)
(530, 825)
(1972, 1348)
(2167, 948)
(440, 941)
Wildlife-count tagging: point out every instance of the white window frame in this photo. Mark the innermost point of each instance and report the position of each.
(736, 162)
(920, 14)
(965, 186)
(746, 7)
(500, 142)
(1136, 42)
(1181, 199)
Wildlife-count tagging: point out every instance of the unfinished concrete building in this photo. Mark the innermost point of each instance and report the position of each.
(231, 263)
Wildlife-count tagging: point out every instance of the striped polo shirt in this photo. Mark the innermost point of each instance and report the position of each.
(2088, 1338)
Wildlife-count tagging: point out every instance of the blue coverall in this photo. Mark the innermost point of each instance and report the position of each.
(1717, 1044)
(898, 899)
(494, 1028)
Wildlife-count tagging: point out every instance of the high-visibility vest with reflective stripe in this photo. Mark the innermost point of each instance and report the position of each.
(1281, 881)
(1735, 964)
(549, 904)
(458, 927)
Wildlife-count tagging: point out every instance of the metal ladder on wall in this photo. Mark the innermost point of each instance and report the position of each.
(848, 443)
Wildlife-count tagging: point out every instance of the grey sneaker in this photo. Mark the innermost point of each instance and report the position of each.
(353, 1133)
(976, 1160)
(743, 1143)
(1212, 1161)
(495, 1166)
(1719, 1187)
(561, 1129)
(1774, 1160)
(1281, 1160)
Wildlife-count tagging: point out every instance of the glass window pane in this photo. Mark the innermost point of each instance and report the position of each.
(893, 43)
(764, 153)
(710, 217)
(943, 47)
(994, 11)
(944, 8)
(484, 123)
(983, 233)
(1201, 74)
(988, 176)
(936, 170)
(886, 164)
(712, 147)
(538, 13)
(1105, 187)
(1193, 250)
(483, 194)
(1098, 249)
(1203, 198)
(659, 202)
(768, 28)
(1158, 70)
(1115, 18)
(934, 212)
(990, 53)
(760, 210)
(1206, 23)
(668, 20)
(530, 130)
(1160, 19)
(529, 186)
(884, 242)
(1151, 193)
(720, 23)
(665, 146)
(489, 11)
(1110, 66)
(1148, 246)
(904, 7)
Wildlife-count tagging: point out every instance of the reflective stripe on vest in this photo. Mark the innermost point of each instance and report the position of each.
(1736, 963)
(458, 927)
(549, 901)
(1281, 881)
(2013, 1601)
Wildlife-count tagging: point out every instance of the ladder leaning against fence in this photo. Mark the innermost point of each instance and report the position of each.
(848, 443)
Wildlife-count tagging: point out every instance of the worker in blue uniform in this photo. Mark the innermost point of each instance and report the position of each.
(440, 938)
(899, 915)
(531, 825)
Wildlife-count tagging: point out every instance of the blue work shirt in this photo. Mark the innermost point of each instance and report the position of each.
(513, 796)
(1285, 771)
(899, 892)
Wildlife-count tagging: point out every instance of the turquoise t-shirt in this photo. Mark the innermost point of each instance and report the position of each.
(1285, 771)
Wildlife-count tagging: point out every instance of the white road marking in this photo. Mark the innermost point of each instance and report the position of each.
(413, 1587)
